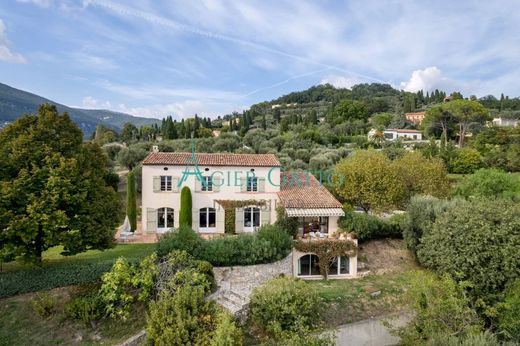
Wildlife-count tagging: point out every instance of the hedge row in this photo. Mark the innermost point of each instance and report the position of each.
(271, 243)
(367, 227)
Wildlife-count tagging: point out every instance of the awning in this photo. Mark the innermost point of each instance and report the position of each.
(298, 212)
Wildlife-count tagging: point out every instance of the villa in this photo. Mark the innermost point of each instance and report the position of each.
(394, 134)
(251, 186)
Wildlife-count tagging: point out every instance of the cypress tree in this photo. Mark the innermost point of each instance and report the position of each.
(131, 205)
(185, 212)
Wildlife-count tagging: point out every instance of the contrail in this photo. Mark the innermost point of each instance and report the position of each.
(158, 20)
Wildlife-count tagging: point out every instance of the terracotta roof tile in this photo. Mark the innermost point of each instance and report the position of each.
(301, 190)
(216, 159)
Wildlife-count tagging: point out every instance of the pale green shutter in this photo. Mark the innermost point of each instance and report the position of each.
(216, 184)
(198, 184)
(261, 184)
(243, 184)
(157, 184)
(195, 220)
(265, 216)
(175, 184)
(221, 216)
(151, 220)
(239, 220)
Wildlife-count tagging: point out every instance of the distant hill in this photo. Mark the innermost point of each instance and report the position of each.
(15, 102)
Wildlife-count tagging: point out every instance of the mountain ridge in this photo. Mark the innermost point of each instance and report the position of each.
(16, 102)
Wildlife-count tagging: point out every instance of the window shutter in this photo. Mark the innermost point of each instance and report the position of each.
(261, 184)
(216, 184)
(195, 220)
(156, 184)
(221, 216)
(198, 184)
(175, 184)
(243, 184)
(265, 216)
(151, 220)
(239, 220)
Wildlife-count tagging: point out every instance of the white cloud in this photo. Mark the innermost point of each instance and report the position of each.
(91, 103)
(6, 54)
(341, 81)
(42, 3)
(181, 109)
(427, 79)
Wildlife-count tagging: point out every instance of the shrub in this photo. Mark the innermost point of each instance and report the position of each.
(183, 238)
(367, 227)
(126, 283)
(284, 304)
(185, 216)
(131, 206)
(289, 224)
(466, 161)
(489, 183)
(421, 214)
(440, 306)
(508, 321)
(473, 339)
(182, 318)
(87, 308)
(227, 332)
(279, 240)
(44, 304)
(476, 241)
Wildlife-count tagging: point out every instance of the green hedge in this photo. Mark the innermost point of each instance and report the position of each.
(69, 271)
(367, 227)
(271, 243)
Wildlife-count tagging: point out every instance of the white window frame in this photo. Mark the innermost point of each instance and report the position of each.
(338, 272)
(252, 184)
(166, 183)
(206, 211)
(307, 275)
(209, 186)
(252, 211)
(167, 211)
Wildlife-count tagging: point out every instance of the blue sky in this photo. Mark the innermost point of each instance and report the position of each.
(211, 57)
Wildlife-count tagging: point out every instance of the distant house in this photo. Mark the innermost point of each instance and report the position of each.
(215, 133)
(415, 118)
(505, 122)
(394, 134)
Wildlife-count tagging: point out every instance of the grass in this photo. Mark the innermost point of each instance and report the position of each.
(20, 325)
(59, 271)
(347, 301)
(53, 257)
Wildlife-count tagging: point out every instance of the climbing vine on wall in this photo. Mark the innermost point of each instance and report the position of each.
(229, 211)
(327, 250)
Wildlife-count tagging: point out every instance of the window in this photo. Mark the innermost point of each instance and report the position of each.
(207, 184)
(166, 183)
(165, 218)
(314, 224)
(207, 218)
(308, 265)
(414, 136)
(389, 135)
(339, 266)
(252, 184)
(252, 217)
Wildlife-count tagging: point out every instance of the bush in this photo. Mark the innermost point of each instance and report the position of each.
(473, 339)
(279, 240)
(289, 224)
(508, 319)
(185, 214)
(87, 308)
(183, 238)
(227, 332)
(490, 183)
(182, 318)
(44, 304)
(367, 227)
(421, 214)
(440, 306)
(284, 304)
(466, 161)
(476, 241)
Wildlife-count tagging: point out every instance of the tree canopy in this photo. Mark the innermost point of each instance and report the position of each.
(53, 190)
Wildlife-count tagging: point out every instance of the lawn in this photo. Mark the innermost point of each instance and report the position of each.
(20, 325)
(347, 301)
(58, 270)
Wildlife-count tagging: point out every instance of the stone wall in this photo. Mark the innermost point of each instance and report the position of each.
(236, 283)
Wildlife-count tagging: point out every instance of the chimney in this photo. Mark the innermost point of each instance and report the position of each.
(155, 149)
